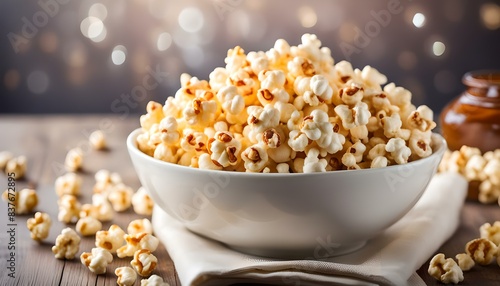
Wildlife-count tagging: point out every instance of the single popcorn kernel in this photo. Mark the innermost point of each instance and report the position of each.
(67, 244)
(87, 226)
(126, 276)
(140, 225)
(491, 232)
(25, 200)
(16, 167)
(121, 197)
(142, 202)
(69, 209)
(445, 270)
(144, 262)
(74, 160)
(97, 140)
(5, 156)
(482, 250)
(465, 262)
(39, 226)
(68, 184)
(154, 280)
(97, 260)
(137, 241)
(110, 239)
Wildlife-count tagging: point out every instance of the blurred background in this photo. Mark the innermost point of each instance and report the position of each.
(89, 56)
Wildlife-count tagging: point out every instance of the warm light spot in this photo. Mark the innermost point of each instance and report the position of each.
(307, 16)
(438, 48)
(119, 55)
(418, 20)
(11, 79)
(407, 60)
(38, 82)
(99, 11)
(93, 28)
(49, 42)
(164, 42)
(191, 19)
(490, 15)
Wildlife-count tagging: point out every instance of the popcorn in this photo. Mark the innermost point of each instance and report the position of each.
(280, 104)
(474, 168)
(283, 168)
(69, 209)
(445, 270)
(97, 140)
(491, 232)
(126, 276)
(5, 156)
(399, 152)
(144, 262)
(25, 201)
(481, 250)
(142, 203)
(255, 158)
(465, 262)
(154, 280)
(97, 260)
(140, 225)
(110, 239)
(488, 192)
(492, 170)
(39, 226)
(87, 226)
(137, 241)
(312, 163)
(68, 184)
(101, 208)
(74, 160)
(16, 166)
(224, 149)
(121, 197)
(67, 244)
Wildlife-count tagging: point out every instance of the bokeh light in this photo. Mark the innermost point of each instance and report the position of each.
(407, 60)
(49, 42)
(438, 48)
(93, 28)
(11, 79)
(119, 55)
(418, 20)
(99, 11)
(307, 16)
(191, 19)
(38, 82)
(164, 41)
(490, 15)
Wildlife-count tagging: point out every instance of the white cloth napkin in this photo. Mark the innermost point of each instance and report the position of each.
(390, 259)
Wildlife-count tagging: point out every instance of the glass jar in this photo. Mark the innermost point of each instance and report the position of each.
(473, 118)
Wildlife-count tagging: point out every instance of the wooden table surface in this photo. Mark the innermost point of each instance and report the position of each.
(45, 141)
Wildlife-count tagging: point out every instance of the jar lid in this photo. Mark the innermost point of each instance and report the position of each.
(482, 78)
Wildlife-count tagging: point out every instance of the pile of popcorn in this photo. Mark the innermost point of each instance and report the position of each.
(289, 109)
(474, 166)
(482, 251)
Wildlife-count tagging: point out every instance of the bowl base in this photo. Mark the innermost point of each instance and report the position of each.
(319, 253)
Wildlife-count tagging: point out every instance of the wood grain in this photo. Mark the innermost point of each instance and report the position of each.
(45, 140)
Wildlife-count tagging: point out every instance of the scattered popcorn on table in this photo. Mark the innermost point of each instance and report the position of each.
(142, 202)
(69, 209)
(137, 241)
(154, 280)
(97, 140)
(101, 208)
(74, 160)
(126, 276)
(110, 239)
(268, 108)
(97, 260)
(445, 270)
(39, 226)
(5, 157)
(465, 262)
(88, 226)
(16, 166)
(482, 250)
(25, 202)
(68, 184)
(144, 262)
(67, 244)
(140, 225)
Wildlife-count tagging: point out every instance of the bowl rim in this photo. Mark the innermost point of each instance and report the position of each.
(133, 149)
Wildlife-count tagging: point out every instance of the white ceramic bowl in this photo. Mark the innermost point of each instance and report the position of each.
(286, 215)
